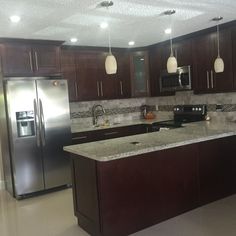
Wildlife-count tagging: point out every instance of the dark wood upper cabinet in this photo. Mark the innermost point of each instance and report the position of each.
(139, 69)
(47, 59)
(17, 59)
(68, 69)
(89, 75)
(204, 55)
(22, 59)
(158, 56)
(123, 83)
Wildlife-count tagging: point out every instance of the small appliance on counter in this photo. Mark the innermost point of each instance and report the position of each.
(146, 113)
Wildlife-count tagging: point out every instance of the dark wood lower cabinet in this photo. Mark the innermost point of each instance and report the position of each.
(123, 196)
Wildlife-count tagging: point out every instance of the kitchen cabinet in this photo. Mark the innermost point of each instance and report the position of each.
(159, 55)
(24, 59)
(123, 85)
(130, 194)
(115, 132)
(139, 69)
(216, 169)
(122, 196)
(68, 70)
(94, 83)
(204, 55)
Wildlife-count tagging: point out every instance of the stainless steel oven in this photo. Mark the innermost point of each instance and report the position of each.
(181, 80)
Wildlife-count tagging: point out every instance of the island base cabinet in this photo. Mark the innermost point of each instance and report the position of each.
(123, 196)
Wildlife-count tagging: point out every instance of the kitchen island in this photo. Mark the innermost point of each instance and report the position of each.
(125, 184)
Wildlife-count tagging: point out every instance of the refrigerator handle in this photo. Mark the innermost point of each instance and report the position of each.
(42, 122)
(37, 125)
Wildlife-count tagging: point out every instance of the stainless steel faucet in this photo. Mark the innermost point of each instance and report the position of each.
(97, 112)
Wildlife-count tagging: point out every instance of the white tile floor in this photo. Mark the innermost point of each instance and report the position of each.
(52, 215)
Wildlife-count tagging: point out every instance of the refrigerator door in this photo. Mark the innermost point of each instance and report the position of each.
(55, 131)
(27, 166)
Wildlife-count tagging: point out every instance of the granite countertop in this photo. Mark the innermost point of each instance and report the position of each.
(75, 128)
(117, 148)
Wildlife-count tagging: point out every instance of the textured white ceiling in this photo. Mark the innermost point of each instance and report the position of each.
(142, 21)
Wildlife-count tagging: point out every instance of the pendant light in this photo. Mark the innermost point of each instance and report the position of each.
(219, 63)
(172, 61)
(110, 62)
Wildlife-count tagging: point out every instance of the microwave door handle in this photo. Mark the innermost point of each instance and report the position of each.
(180, 82)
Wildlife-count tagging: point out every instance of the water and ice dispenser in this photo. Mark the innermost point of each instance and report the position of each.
(25, 123)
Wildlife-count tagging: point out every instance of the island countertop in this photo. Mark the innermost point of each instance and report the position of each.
(108, 150)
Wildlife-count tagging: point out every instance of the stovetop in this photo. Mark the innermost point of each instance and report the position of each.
(182, 114)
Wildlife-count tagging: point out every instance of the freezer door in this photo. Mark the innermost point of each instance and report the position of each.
(25, 149)
(55, 131)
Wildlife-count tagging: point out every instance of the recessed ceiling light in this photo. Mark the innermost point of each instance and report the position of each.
(104, 25)
(73, 40)
(14, 19)
(131, 43)
(168, 31)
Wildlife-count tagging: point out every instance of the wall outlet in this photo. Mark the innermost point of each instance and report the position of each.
(157, 108)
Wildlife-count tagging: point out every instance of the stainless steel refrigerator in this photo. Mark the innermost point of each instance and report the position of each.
(38, 119)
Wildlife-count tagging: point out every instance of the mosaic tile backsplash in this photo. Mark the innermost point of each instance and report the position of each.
(221, 106)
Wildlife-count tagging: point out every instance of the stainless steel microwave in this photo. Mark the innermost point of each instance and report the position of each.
(181, 80)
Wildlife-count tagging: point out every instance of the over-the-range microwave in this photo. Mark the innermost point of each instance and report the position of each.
(181, 80)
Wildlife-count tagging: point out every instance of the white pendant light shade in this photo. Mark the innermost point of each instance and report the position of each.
(110, 64)
(172, 64)
(219, 65)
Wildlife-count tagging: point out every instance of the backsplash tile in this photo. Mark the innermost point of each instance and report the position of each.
(128, 109)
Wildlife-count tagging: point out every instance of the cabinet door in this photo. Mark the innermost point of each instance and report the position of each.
(47, 59)
(204, 54)
(108, 83)
(139, 74)
(89, 75)
(123, 83)
(183, 52)
(17, 60)
(68, 69)
(223, 82)
(215, 169)
(157, 64)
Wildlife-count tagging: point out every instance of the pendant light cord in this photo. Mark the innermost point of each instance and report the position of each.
(171, 44)
(218, 40)
(109, 39)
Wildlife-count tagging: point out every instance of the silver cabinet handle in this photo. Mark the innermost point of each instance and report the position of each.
(30, 61)
(111, 133)
(37, 124)
(208, 81)
(212, 79)
(42, 121)
(98, 90)
(79, 138)
(101, 89)
(121, 88)
(76, 90)
(36, 60)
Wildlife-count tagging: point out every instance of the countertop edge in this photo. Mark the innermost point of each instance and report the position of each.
(148, 149)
